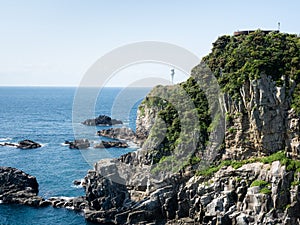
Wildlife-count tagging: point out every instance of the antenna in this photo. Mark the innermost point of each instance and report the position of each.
(172, 75)
(278, 26)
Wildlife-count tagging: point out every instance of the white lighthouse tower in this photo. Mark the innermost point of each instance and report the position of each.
(172, 75)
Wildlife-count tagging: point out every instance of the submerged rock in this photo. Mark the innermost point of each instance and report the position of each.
(102, 120)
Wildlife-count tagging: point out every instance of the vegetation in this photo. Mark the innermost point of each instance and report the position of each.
(295, 183)
(265, 191)
(264, 186)
(235, 60)
(181, 104)
(259, 183)
(291, 165)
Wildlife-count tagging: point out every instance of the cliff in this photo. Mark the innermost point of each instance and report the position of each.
(219, 149)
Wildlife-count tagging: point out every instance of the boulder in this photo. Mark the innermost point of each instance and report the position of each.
(118, 133)
(102, 120)
(28, 144)
(111, 144)
(78, 144)
(18, 187)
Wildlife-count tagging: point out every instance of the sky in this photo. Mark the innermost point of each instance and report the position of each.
(55, 42)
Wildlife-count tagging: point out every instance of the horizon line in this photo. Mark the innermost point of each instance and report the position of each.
(54, 86)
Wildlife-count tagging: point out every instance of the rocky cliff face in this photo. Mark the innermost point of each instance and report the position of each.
(258, 124)
(253, 178)
(145, 119)
(256, 193)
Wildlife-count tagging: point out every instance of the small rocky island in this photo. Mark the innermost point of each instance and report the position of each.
(102, 120)
(25, 144)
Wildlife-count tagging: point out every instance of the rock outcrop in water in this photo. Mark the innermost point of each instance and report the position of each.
(78, 144)
(111, 144)
(28, 144)
(122, 133)
(18, 187)
(25, 144)
(102, 120)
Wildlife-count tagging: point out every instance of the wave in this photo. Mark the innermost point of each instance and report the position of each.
(5, 139)
(132, 145)
(14, 145)
(65, 198)
(64, 144)
(79, 185)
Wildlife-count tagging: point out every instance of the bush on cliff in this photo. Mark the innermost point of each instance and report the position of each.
(235, 60)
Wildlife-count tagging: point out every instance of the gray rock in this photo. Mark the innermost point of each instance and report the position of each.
(18, 187)
(102, 120)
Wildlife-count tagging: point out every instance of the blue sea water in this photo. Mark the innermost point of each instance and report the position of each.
(44, 115)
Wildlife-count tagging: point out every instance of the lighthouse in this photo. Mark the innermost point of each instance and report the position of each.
(172, 75)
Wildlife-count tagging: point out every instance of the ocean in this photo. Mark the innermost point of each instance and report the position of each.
(44, 115)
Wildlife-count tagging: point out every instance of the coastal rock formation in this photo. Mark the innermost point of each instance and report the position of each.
(28, 144)
(255, 193)
(102, 120)
(254, 176)
(18, 187)
(123, 133)
(145, 120)
(111, 144)
(258, 124)
(25, 144)
(78, 144)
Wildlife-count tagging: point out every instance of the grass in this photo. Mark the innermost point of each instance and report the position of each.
(278, 156)
(259, 183)
(295, 183)
(264, 186)
(265, 191)
(215, 168)
(291, 165)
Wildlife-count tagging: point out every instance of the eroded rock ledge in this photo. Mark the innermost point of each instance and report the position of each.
(255, 193)
(123, 133)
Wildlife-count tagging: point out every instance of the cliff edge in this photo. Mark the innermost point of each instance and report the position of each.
(195, 169)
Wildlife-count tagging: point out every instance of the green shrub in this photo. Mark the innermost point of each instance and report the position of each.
(194, 160)
(278, 156)
(231, 130)
(295, 183)
(265, 191)
(235, 60)
(259, 183)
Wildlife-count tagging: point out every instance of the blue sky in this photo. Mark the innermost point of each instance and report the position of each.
(54, 42)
